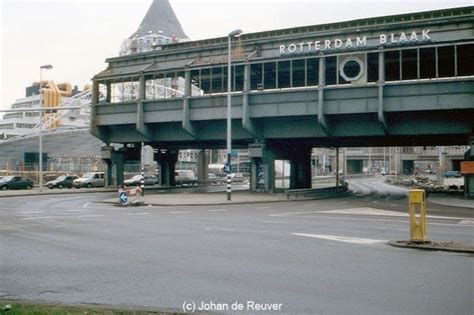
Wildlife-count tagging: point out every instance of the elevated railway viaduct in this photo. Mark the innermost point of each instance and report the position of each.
(388, 81)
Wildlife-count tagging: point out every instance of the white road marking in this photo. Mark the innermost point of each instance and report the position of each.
(363, 211)
(30, 212)
(220, 229)
(217, 210)
(353, 240)
(291, 213)
(77, 210)
(86, 204)
(262, 208)
(467, 222)
(139, 213)
(273, 222)
(90, 216)
(178, 212)
(38, 218)
(366, 211)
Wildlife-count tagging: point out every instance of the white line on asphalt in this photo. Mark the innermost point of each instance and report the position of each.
(338, 218)
(262, 208)
(178, 212)
(30, 212)
(217, 210)
(38, 218)
(86, 204)
(90, 216)
(363, 211)
(139, 213)
(220, 229)
(467, 222)
(291, 213)
(77, 210)
(353, 240)
(273, 222)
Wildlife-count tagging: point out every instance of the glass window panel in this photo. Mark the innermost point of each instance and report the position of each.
(331, 70)
(238, 78)
(269, 79)
(392, 65)
(298, 72)
(206, 80)
(224, 79)
(372, 67)
(446, 61)
(217, 86)
(256, 76)
(465, 58)
(409, 64)
(312, 71)
(284, 74)
(427, 63)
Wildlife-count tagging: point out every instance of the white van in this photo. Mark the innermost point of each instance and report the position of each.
(185, 177)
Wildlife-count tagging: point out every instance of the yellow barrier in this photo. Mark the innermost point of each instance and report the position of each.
(416, 201)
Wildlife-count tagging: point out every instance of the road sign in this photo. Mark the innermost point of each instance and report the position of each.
(227, 168)
(123, 198)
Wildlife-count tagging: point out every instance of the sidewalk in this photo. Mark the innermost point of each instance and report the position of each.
(47, 191)
(453, 201)
(194, 199)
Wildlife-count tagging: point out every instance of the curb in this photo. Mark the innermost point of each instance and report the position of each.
(434, 246)
(145, 204)
(120, 309)
(72, 192)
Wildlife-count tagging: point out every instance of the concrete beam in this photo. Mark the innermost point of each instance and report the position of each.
(186, 121)
(247, 123)
(381, 83)
(141, 127)
(96, 131)
(320, 111)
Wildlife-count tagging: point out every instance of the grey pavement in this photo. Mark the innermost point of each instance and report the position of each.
(452, 201)
(313, 257)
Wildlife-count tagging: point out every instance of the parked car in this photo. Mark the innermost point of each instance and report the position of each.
(150, 180)
(15, 182)
(89, 180)
(452, 174)
(61, 182)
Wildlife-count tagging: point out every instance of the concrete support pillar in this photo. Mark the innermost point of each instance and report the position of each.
(293, 174)
(166, 162)
(108, 98)
(118, 162)
(254, 174)
(300, 172)
(262, 170)
(202, 165)
(114, 166)
(108, 173)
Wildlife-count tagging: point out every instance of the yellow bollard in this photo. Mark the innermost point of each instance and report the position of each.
(416, 201)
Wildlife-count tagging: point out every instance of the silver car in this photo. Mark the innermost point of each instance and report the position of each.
(90, 179)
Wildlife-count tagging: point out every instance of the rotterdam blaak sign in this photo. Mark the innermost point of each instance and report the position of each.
(355, 42)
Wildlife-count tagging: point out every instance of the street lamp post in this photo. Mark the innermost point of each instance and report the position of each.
(40, 136)
(235, 33)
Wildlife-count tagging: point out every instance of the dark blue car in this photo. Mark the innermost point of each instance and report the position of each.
(15, 182)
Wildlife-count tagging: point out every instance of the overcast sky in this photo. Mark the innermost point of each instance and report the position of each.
(76, 36)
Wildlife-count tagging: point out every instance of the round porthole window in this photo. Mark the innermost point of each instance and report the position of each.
(352, 69)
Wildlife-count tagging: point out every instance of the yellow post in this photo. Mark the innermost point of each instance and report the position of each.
(416, 201)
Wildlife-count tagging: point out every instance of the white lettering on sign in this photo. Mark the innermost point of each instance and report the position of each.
(354, 42)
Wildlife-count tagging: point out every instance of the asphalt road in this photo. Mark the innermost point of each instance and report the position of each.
(312, 257)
